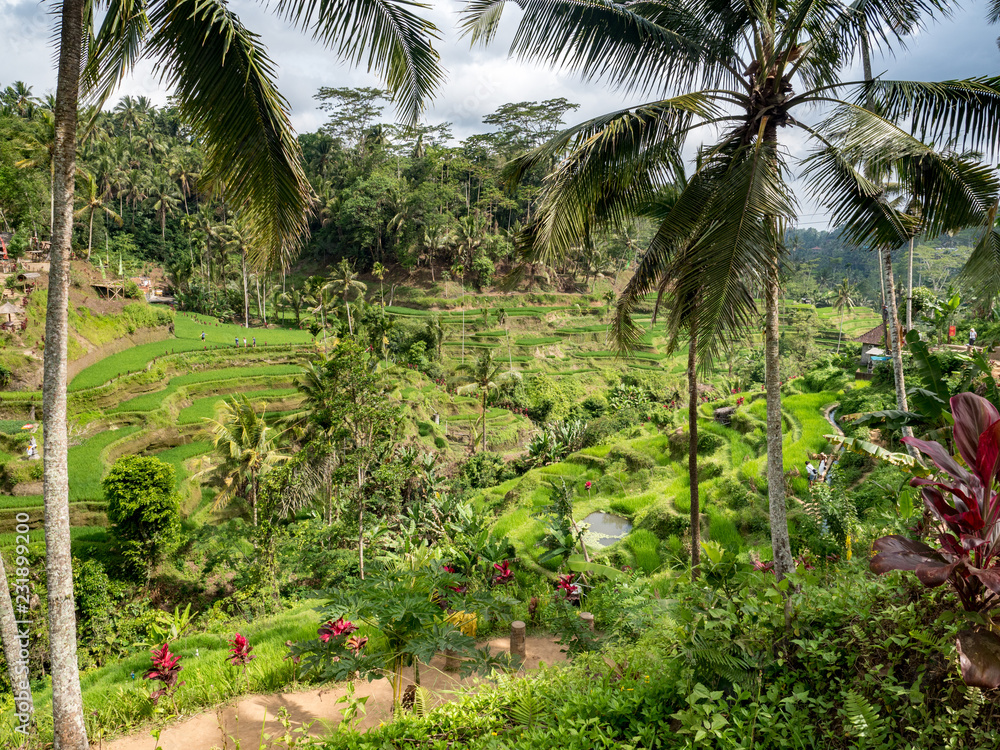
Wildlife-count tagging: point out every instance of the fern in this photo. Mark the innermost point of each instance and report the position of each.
(864, 720)
(528, 709)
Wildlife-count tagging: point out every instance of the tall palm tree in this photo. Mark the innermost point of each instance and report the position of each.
(224, 84)
(162, 197)
(344, 284)
(248, 447)
(93, 202)
(844, 298)
(39, 149)
(486, 378)
(737, 68)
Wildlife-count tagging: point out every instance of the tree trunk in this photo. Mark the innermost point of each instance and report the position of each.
(909, 289)
(692, 374)
(69, 729)
(892, 324)
(23, 703)
(246, 294)
(780, 543)
(90, 235)
(484, 421)
(840, 333)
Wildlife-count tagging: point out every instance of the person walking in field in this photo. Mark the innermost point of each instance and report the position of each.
(973, 336)
(203, 337)
(237, 340)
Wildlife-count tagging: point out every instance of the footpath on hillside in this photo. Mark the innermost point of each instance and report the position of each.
(247, 723)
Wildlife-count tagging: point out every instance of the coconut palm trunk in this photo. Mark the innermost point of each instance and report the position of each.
(780, 543)
(692, 374)
(892, 324)
(69, 730)
(246, 293)
(840, 333)
(12, 646)
(909, 288)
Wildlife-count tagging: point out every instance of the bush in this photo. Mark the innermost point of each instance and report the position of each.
(709, 442)
(634, 460)
(5, 375)
(143, 509)
(132, 290)
(661, 519)
(485, 469)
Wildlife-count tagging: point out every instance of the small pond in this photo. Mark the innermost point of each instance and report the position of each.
(605, 528)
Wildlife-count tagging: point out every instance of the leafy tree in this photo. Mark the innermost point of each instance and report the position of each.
(738, 68)
(143, 509)
(353, 111)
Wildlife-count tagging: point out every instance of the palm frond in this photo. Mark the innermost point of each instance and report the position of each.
(634, 46)
(115, 49)
(958, 114)
(615, 165)
(225, 88)
(945, 192)
(713, 244)
(982, 269)
(386, 34)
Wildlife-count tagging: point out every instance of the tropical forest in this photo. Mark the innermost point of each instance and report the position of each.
(676, 426)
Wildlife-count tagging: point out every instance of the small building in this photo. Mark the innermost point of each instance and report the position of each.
(873, 344)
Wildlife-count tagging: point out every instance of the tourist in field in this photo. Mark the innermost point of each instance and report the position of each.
(203, 337)
(973, 336)
(810, 472)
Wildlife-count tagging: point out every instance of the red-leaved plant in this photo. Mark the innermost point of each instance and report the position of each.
(240, 654)
(331, 629)
(504, 573)
(965, 502)
(165, 670)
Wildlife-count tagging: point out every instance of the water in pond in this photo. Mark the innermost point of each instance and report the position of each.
(605, 528)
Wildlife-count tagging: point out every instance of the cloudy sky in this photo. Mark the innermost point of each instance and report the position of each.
(479, 80)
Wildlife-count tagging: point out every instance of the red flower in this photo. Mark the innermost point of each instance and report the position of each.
(239, 653)
(333, 629)
(588, 485)
(570, 589)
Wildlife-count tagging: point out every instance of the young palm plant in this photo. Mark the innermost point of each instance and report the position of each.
(486, 377)
(747, 71)
(248, 447)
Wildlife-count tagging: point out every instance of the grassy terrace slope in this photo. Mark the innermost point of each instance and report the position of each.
(188, 328)
(641, 474)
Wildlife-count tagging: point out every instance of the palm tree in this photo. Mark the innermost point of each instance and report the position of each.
(734, 68)
(93, 201)
(486, 379)
(248, 447)
(162, 196)
(378, 271)
(844, 297)
(344, 284)
(225, 90)
(39, 149)
(297, 300)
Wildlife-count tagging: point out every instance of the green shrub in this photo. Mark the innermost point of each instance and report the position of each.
(485, 469)
(709, 442)
(633, 459)
(661, 519)
(5, 375)
(710, 469)
(143, 509)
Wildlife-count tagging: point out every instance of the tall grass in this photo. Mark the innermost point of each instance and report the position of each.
(643, 544)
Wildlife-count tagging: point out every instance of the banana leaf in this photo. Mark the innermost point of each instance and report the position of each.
(904, 461)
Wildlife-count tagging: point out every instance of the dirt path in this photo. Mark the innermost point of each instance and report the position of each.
(245, 720)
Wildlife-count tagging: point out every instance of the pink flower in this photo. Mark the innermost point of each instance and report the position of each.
(333, 629)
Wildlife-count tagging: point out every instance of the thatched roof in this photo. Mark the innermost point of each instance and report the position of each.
(875, 336)
(8, 309)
